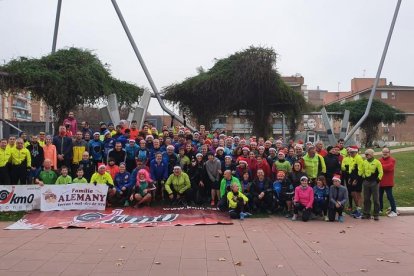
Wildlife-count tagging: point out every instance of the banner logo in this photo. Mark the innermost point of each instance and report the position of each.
(116, 217)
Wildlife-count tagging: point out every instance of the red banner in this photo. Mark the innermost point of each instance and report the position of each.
(121, 218)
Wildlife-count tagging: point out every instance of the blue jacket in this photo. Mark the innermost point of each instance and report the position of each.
(96, 150)
(64, 146)
(158, 171)
(123, 140)
(142, 154)
(122, 180)
(108, 144)
(321, 194)
(131, 152)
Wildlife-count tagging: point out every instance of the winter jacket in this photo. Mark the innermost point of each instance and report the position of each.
(118, 156)
(212, 168)
(372, 170)
(159, 171)
(180, 183)
(314, 166)
(333, 166)
(321, 194)
(388, 166)
(258, 186)
(131, 151)
(88, 168)
(96, 150)
(232, 202)
(225, 185)
(79, 147)
(36, 154)
(337, 194)
(304, 196)
(122, 180)
(63, 146)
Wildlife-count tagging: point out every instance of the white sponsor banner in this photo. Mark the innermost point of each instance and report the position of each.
(73, 197)
(19, 198)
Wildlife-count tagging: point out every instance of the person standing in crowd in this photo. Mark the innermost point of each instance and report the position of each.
(131, 151)
(314, 165)
(333, 165)
(338, 196)
(133, 130)
(356, 171)
(159, 174)
(303, 200)
(117, 153)
(86, 129)
(87, 165)
(213, 169)
(96, 150)
(108, 144)
(37, 156)
(73, 124)
(284, 190)
(79, 147)
(197, 174)
(21, 163)
(42, 139)
(345, 175)
(49, 151)
(372, 175)
(296, 174)
(387, 181)
(4, 162)
(341, 146)
(320, 150)
(281, 164)
(47, 175)
(11, 142)
(63, 148)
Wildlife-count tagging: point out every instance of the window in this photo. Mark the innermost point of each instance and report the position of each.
(356, 97)
(384, 95)
(221, 120)
(393, 95)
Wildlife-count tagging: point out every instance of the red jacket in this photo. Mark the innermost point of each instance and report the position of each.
(388, 165)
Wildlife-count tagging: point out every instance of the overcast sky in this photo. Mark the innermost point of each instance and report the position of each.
(326, 41)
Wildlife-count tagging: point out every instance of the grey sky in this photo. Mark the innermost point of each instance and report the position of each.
(324, 40)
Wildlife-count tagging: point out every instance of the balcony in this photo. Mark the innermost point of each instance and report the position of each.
(220, 126)
(24, 97)
(19, 105)
(22, 117)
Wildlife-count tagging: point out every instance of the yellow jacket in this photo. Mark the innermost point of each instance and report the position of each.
(232, 202)
(4, 157)
(102, 178)
(357, 165)
(372, 170)
(18, 156)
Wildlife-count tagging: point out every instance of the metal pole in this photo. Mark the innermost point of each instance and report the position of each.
(283, 128)
(55, 34)
(1, 116)
(374, 88)
(49, 111)
(144, 67)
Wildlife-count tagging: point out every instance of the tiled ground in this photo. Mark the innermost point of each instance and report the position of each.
(271, 246)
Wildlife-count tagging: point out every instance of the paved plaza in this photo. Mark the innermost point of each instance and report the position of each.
(267, 246)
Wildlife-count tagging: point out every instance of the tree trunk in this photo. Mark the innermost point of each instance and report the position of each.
(261, 125)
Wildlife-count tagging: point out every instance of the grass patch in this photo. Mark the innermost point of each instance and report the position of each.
(11, 216)
(404, 176)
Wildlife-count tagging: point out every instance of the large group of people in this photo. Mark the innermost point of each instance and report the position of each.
(180, 167)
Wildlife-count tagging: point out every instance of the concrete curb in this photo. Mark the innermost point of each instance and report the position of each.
(405, 211)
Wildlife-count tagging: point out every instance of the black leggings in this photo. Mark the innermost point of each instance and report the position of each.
(332, 212)
(306, 212)
(235, 212)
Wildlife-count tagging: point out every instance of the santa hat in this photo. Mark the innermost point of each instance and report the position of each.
(281, 153)
(261, 147)
(242, 161)
(336, 177)
(219, 148)
(353, 149)
(245, 148)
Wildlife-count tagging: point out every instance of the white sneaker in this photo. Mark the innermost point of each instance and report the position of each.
(294, 217)
(392, 214)
(326, 218)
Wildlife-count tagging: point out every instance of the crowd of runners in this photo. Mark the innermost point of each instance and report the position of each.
(242, 176)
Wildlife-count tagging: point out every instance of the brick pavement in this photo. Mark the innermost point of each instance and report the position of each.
(268, 246)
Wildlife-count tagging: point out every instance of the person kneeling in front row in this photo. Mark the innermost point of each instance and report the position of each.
(237, 202)
(338, 196)
(303, 200)
(178, 187)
